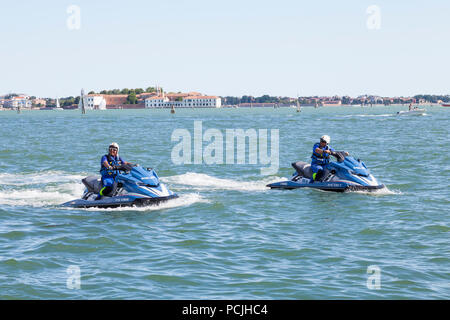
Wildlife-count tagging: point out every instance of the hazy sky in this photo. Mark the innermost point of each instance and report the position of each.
(228, 47)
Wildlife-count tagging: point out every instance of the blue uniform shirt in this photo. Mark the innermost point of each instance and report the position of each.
(321, 159)
(114, 161)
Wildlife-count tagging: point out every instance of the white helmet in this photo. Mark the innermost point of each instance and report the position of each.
(325, 138)
(114, 145)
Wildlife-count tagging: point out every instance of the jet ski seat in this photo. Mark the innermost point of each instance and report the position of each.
(303, 169)
(93, 184)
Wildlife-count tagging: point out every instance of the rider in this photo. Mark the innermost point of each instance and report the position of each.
(107, 169)
(320, 158)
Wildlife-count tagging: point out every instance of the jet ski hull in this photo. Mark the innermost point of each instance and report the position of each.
(325, 186)
(115, 202)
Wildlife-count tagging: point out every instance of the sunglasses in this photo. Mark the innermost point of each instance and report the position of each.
(113, 148)
(323, 141)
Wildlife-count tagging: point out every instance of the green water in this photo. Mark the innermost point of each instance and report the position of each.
(227, 236)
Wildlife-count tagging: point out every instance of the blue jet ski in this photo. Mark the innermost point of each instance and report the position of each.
(134, 186)
(346, 174)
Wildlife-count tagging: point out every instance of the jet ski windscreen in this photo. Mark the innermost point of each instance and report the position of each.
(340, 155)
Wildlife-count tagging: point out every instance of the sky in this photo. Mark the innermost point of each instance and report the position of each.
(232, 47)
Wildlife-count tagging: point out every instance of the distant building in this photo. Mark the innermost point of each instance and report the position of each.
(115, 99)
(96, 102)
(39, 102)
(183, 100)
(203, 102)
(331, 103)
(22, 102)
(157, 102)
(179, 96)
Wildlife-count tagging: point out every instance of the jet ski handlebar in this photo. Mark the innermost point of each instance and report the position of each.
(339, 155)
(124, 167)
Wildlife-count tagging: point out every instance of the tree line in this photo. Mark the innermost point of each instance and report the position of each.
(229, 100)
(433, 98)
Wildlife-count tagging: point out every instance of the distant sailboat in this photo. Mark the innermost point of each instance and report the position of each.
(298, 106)
(58, 107)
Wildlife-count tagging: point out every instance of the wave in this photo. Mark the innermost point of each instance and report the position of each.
(379, 192)
(48, 196)
(201, 181)
(21, 189)
(44, 177)
(369, 115)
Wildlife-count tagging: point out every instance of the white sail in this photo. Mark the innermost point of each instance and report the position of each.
(58, 106)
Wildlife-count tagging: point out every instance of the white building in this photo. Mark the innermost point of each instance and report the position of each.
(22, 102)
(95, 102)
(157, 102)
(187, 102)
(203, 102)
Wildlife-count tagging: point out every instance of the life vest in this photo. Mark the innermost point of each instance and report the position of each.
(323, 158)
(112, 162)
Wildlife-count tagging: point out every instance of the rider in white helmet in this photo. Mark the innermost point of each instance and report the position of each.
(320, 157)
(108, 173)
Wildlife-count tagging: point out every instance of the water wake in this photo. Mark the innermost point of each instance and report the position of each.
(23, 190)
(201, 181)
(379, 192)
(183, 200)
(369, 115)
(44, 177)
(48, 196)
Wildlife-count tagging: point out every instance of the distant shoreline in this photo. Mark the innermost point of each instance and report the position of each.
(272, 106)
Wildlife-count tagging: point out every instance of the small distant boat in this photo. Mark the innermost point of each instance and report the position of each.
(58, 107)
(415, 111)
(445, 104)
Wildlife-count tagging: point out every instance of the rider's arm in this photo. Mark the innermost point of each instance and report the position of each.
(320, 151)
(106, 165)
